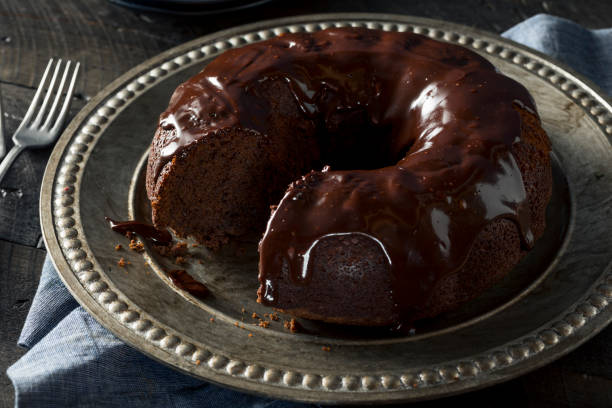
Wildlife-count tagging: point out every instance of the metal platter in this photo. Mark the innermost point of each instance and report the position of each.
(556, 298)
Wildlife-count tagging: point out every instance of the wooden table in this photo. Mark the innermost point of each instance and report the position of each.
(108, 40)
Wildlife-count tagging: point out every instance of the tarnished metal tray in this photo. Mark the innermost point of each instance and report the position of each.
(556, 299)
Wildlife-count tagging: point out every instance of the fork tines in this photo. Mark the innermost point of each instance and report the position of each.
(49, 123)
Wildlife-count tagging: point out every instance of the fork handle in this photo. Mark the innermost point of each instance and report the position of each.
(9, 159)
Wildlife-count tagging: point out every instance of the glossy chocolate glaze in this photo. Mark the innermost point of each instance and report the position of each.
(446, 117)
(184, 281)
(147, 231)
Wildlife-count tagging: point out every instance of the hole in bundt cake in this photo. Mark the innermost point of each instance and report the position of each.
(349, 141)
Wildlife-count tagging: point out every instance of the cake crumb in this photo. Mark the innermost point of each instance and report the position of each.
(274, 316)
(136, 246)
(121, 262)
(254, 316)
(264, 323)
(236, 323)
(326, 348)
(198, 362)
(250, 334)
(291, 325)
(212, 319)
(179, 260)
(243, 310)
(118, 247)
(195, 245)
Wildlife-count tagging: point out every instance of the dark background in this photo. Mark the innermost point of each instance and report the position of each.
(108, 40)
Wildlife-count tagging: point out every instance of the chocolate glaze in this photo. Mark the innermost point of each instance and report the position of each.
(182, 280)
(448, 121)
(157, 236)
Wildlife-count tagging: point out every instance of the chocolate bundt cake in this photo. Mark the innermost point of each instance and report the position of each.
(418, 174)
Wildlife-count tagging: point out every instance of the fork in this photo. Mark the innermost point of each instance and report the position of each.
(38, 133)
(2, 145)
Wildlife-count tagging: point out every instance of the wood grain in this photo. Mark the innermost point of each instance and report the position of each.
(19, 190)
(109, 40)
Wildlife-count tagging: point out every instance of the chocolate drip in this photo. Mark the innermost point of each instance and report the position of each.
(448, 121)
(182, 280)
(158, 237)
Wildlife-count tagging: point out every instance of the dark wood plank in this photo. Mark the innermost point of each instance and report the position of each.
(20, 268)
(20, 189)
(109, 39)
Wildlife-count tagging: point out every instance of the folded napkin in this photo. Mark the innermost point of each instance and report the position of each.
(74, 361)
(589, 52)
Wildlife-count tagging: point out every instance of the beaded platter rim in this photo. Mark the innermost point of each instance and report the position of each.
(72, 257)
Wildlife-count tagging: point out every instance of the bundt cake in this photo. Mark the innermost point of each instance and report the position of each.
(418, 174)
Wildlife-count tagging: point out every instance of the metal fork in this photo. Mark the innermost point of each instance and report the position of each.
(38, 133)
(2, 144)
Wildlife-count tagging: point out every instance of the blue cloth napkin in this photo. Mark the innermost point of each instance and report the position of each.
(589, 52)
(74, 361)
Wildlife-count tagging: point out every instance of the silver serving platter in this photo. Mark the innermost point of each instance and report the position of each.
(556, 299)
